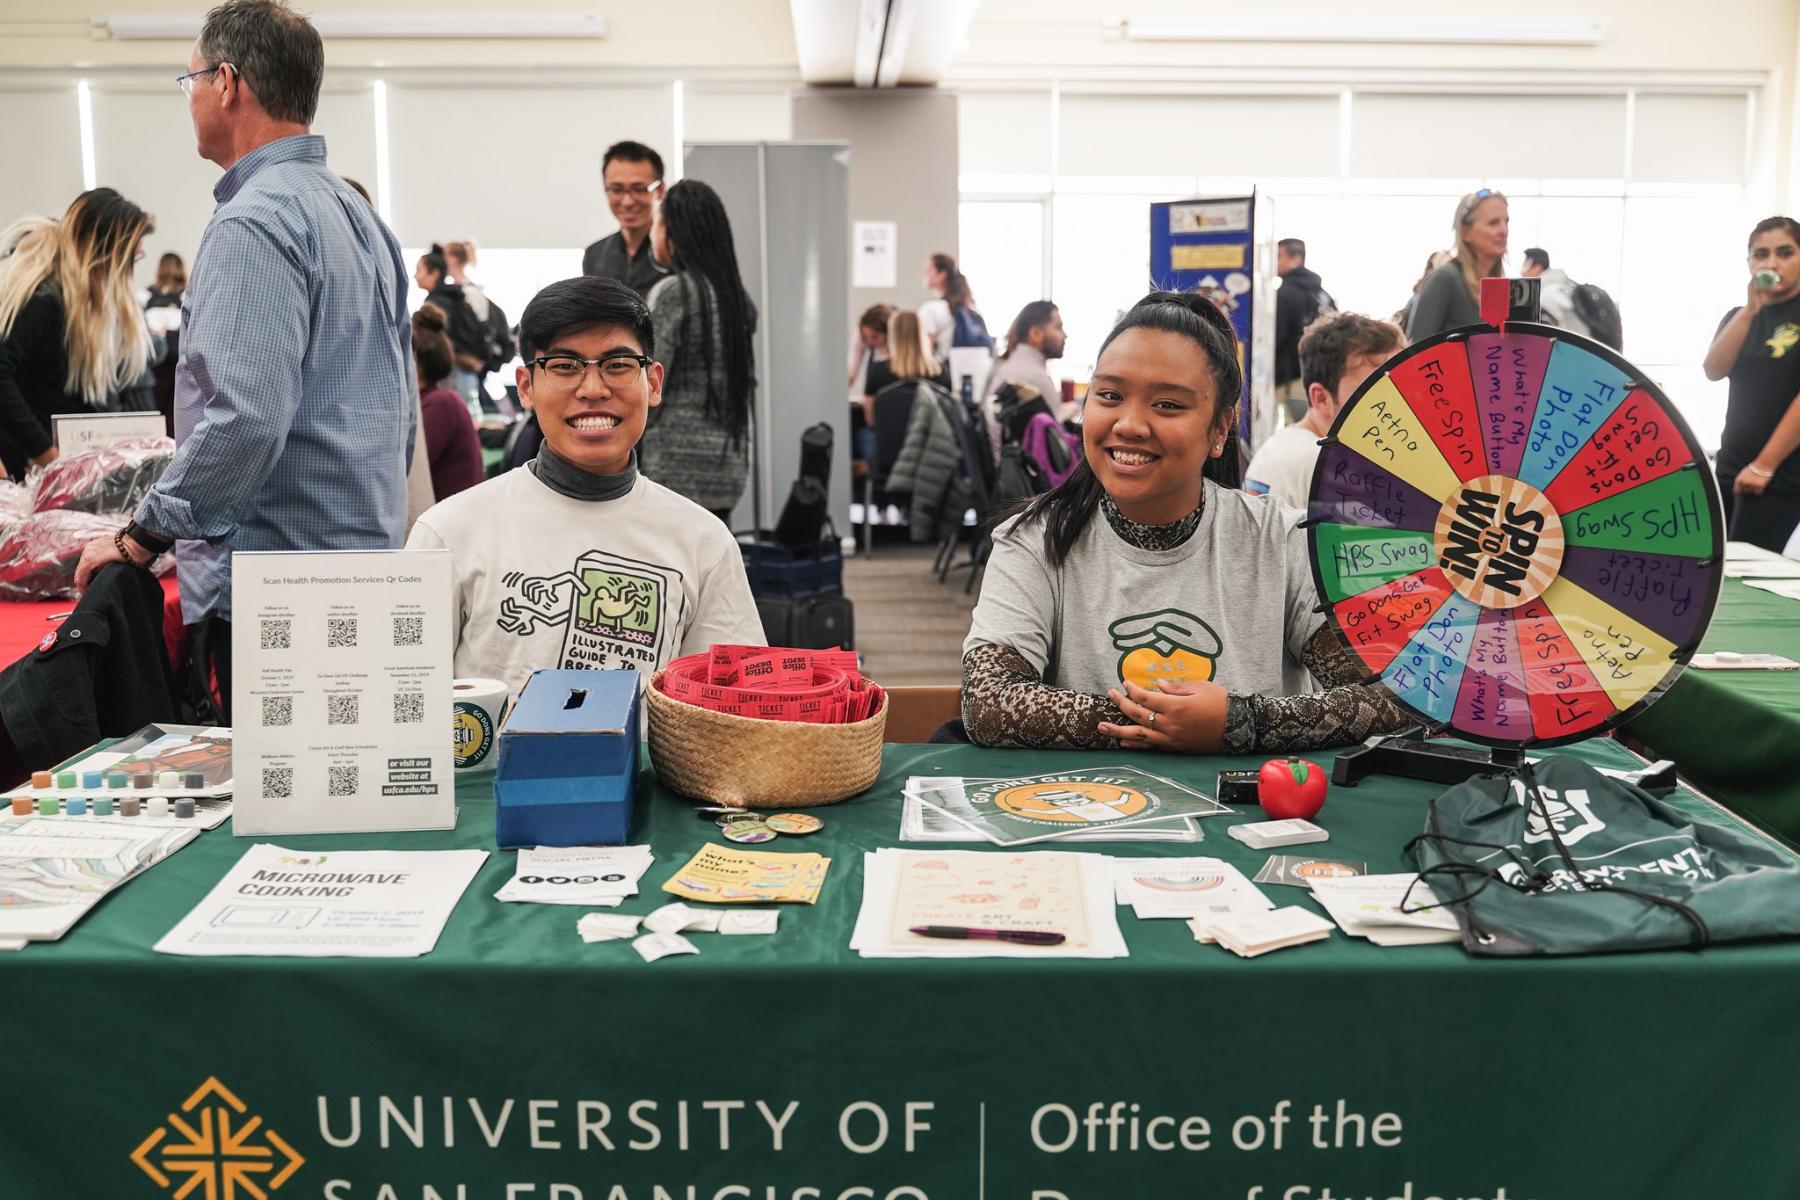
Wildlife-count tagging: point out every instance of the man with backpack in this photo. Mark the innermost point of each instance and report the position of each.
(1582, 308)
(1298, 301)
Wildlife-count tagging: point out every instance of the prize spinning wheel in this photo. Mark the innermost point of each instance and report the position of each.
(1517, 533)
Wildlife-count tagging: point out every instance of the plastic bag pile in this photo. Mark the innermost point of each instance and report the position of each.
(45, 521)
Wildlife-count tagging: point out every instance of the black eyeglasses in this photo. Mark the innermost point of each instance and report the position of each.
(186, 82)
(570, 369)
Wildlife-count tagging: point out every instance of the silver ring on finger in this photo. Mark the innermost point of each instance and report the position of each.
(1151, 723)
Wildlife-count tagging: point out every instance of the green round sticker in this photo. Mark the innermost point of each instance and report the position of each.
(471, 735)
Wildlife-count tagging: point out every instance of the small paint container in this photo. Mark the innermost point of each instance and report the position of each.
(184, 807)
(103, 806)
(129, 806)
(76, 806)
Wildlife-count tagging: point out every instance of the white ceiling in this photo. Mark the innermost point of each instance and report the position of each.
(878, 43)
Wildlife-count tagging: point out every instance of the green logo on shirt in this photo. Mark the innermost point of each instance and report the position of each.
(1166, 646)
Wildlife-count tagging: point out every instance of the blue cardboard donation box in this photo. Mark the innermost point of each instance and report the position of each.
(568, 760)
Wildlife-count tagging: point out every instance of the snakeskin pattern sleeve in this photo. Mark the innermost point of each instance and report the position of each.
(1006, 702)
(1347, 713)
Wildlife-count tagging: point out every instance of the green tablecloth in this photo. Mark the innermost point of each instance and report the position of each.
(515, 1061)
(1736, 734)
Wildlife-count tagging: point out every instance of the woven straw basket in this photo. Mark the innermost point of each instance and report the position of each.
(754, 763)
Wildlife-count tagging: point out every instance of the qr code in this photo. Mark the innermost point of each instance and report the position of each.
(409, 631)
(409, 708)
(277, 635)
(278, 710)
(341, 710)
(278, 782)
(342, 781)
(340, 632)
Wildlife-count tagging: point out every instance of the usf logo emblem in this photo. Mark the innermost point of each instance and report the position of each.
(214, 1150)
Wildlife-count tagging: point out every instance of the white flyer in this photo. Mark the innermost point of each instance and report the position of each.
(75, 432)
(282, 903)
(341, 691)
(1185, 887)
(587, 875)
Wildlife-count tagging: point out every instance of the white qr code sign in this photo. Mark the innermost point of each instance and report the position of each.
(340, 691)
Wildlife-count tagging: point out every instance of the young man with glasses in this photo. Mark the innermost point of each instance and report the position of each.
(633, 175)
(295, 408)
(578, 560)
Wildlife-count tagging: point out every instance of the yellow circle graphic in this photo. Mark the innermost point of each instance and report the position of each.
(1146, 668)
(1072, 803)
(471, 735)
(1499, 541)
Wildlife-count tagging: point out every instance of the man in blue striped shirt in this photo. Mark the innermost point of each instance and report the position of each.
(294, 399)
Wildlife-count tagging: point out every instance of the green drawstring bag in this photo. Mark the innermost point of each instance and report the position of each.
(1557, 858)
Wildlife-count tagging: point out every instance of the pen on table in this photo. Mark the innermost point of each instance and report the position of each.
(1027, 937)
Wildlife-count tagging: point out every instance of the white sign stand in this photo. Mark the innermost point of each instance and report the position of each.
(341, 691)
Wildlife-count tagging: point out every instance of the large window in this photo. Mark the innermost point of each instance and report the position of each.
(1645, 194)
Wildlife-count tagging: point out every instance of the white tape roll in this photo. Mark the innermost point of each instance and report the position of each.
(479, 708)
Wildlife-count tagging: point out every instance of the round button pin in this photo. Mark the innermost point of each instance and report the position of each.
(793, 823)
(749, 833)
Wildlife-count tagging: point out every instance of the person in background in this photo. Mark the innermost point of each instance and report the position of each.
(1556, 292)
(1757, 348)
(1300, 298)
(1035, 337)
(451, 447)
(1451, 295)
(1338, 352)
(295, 403)
(468, 336)
(459, 257)
(950, 320)
(698, 442)
(633, 175)
(72, 336)
(170, 283)
(594, 565)
(360, 190)
(1145, 602)
(869, 371)
(1403, 315)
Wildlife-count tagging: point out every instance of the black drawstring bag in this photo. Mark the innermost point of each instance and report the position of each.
(1560, 859)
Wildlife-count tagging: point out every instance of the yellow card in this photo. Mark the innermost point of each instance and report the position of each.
(724, 875)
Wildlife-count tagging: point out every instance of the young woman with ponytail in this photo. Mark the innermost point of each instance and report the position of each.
(1146, 603)
(697, 442)
(72, 335)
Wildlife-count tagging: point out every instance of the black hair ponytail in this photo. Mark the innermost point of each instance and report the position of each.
(1067, 508)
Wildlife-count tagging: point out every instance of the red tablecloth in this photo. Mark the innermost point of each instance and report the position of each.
(23, 623)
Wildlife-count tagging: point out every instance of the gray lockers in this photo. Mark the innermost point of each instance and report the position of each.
(789, 209)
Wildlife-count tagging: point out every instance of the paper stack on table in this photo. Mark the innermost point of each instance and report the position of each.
(1099, 802)
(53, 871)
(1370, 906)
(322, 904)
(1788, 588)
(1185, 887)
(1039, 892)
(1762, 568)
(725, 875)
(920, 822)
(595, 876)
(1250, 934)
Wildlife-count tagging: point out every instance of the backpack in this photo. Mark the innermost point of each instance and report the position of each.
(970, 329)
(1046, 444)
(1598, 312)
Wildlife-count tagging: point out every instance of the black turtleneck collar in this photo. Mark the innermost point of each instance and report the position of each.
(564, 477)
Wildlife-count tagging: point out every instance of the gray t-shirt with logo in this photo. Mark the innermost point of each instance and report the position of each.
(1234, 604)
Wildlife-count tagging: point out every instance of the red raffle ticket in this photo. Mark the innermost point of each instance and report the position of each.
(774, 683)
